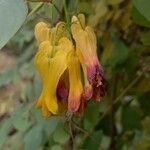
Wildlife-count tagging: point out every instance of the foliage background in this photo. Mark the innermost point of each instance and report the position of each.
(121, 121)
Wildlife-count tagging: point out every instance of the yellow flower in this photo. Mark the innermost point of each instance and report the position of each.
(86, 44)
(61, 65)
(51, 63)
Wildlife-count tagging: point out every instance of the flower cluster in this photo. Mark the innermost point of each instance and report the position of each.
(68, 66)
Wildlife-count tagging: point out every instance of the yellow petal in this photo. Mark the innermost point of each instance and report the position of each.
(46, 112)
(40, 60)
(91, 39)
(51, 71)
(42, 32)
(58, 32)
(80, 20)
(88, 90)
(86, 43)
(57, 66)
(65, 44)
(42, 57)
(76, 89)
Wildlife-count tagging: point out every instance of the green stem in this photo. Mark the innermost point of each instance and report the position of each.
(66, 12)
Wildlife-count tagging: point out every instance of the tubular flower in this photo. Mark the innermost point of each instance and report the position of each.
(61, 65)
(85, 39)
(51, 63)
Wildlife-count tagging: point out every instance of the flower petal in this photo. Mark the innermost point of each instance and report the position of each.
(88, 90)
(50, 69)
(76, 88)
(40, 60)
(57, 66)
(65, 44)
(42, 32)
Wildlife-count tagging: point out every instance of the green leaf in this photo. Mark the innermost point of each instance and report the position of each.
(12, 16)
(143, 99)
(53, 10)
(8, 76)
(4, 129)
(120, 51)
(51, 124)
(56, 147)
(143, 7)
(130, 118)
(139, 18)
(146, 38)
(91, 115)
(115, 53)
(33, 138)
(20, 117)
(94, 142)
(61, 135)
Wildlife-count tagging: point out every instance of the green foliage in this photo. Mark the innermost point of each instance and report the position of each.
(143, 7)
(12, 16)
(146, 38)
(123, 37)
(61, 136)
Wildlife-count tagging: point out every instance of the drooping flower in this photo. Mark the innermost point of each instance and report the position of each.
(71, 74)
(51, 63)
(76, 89)
(86, 44)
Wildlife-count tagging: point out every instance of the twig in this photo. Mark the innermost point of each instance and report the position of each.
(112, 114)
(72, 136)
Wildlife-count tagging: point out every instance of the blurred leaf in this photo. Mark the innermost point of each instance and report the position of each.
(143, 143)
(105, 142)
(139, 18)
(72, 7)
(12, 16)
(61, 135)
(4, 130)
(130, 118)
(33, 138)
(143, 85)
(143, 7)
(8, 76)
(56, 147)
(51, 125)
(14, 142)
(52, 12)
(144, 100)
(24, 35)
(146, 124)
(146, 38)
(114, 2)
(84, 7)
(93, 143)
(91, 115)
(20, 117)
(120, 51)
(115, 52)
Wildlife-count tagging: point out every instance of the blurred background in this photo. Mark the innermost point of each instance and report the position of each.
(121, 121)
